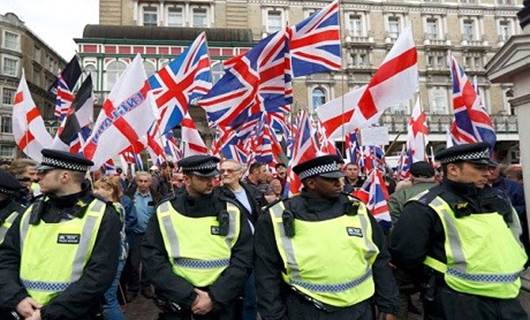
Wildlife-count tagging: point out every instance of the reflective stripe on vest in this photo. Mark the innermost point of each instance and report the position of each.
(196, 253)
(487, 265)
(54, 255)
(8, 222)
(352, 282)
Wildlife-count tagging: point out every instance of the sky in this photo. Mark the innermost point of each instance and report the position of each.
(56, 22)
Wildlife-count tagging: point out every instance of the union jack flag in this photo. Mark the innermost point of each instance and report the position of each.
(181, 82)
(404, 163)
(314, 43)
(353, 149)
(472, 122)
(374, 194)
(256, 82)
(63, 88)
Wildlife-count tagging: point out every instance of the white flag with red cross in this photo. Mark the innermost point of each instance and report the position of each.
(28, 127)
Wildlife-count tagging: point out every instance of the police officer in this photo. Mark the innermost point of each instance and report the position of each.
(10, 207)
(321, 255)
(465, 234)
(61, 254)
(197, 249)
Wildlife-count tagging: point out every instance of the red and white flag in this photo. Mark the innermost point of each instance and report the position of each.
(125, 117)
(28, 127)
(191, 138)
(396, 80)
(417, 131)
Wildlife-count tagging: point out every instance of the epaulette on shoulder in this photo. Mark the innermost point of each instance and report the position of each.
(270, 205)
(100, 198)
(427, 196)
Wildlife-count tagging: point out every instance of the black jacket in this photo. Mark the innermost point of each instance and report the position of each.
(82, 298)
(272, 290)
(7, 206)
(173, 288)
(419, 231)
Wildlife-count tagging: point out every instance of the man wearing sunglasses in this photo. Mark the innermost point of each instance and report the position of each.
(61, 254)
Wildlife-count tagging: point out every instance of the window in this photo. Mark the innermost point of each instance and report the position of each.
(393, 27)
(433, 31)
(6, 126)
(175, 17)
(149, 68)
(469, 30)
(6, 151)
(318, 97)
(355, 25)
(468, 1)
(10, 67)
(90, 68)
(360, 58)
(150, 16)
(8, 96)
(37, 75)
(114, 70)
(11, 41)
(508, 94)
(505, 30)
(36, 54)
(438, 101)
(274, 21)
(478, 62)
(401, 108)
(217, 71)
(505, 2)
(200, 17)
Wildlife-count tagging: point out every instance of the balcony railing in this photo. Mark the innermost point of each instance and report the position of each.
(438, 123)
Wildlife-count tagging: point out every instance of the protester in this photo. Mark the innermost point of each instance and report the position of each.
(165, 185)
(177, 180)
(281, 173)
(256, 181)
(25, 171)
(352, 179)
(145, 200)
(274, 193)
(514, 172)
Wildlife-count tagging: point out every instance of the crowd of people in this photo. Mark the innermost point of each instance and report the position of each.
(211, 239)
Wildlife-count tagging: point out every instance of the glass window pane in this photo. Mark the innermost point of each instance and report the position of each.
(6, 124)
(10, 67)
(175, 17)
(432, 28)
(393, 27)
(11, 40)
(150, 15)
(318, 97)
(6, 151)
(355, 27)
(200, 18)
(149, 68)
(114, 70)
(8, 96)
(274, 21)
(469, 30)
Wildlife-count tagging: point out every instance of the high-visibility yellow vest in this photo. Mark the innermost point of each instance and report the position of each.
(195, 249)
(54, 255)
(483, 256)
(330, 260)
(8, 222)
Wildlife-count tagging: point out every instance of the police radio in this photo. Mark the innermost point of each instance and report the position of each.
(288, 223)
(224, 222)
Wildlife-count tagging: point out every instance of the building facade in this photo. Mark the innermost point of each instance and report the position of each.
(471, 30)
(21, 49)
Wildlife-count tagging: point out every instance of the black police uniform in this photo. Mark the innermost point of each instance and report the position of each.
(276, 300)
(175, 295)
(82, 299)
(420, 233)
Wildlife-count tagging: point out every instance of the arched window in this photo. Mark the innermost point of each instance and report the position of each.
(91, 69)
(114, 70)
(149, 68)
(318, 97)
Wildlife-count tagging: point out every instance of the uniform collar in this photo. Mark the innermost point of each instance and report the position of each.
(80, 199)
(463, 189)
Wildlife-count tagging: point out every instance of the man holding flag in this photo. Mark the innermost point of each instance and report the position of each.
(322, 222)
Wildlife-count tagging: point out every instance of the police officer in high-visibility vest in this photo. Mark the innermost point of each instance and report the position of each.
(197, 250)
(321, 255)
(462, 237)
(60, 255)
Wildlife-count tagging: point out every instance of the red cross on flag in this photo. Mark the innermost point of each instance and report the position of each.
(125, 117)
(28, 127)
(417, 133)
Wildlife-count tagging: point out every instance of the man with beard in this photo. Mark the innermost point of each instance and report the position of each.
(461, 240)
(321, 255)
(197, 249)
(60, 256)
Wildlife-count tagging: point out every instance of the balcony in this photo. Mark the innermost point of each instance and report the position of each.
(438, 123)
(359, 41)
(432, 41)
(468, 43)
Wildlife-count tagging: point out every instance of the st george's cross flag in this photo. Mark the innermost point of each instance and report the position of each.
(417, 131)
(28, 127)
(126, 115)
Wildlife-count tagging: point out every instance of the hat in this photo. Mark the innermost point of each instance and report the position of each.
(8, 183)
(323, 166)
(56, 159)
(200, 165)
(422, 169)
(477, 153)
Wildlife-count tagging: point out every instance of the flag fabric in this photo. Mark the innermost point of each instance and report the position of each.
(73, 130)
(377, 201)
(353, 148)
(404, 163)
(417, 131)
(314, 43)
(305, 148)
(191, 138)
(472, 122)
(396, 79)
(64, 86)
(126, 115)
(28, 127)
(109, 167)
(326, 145)
(184, 80)
(257, 82)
